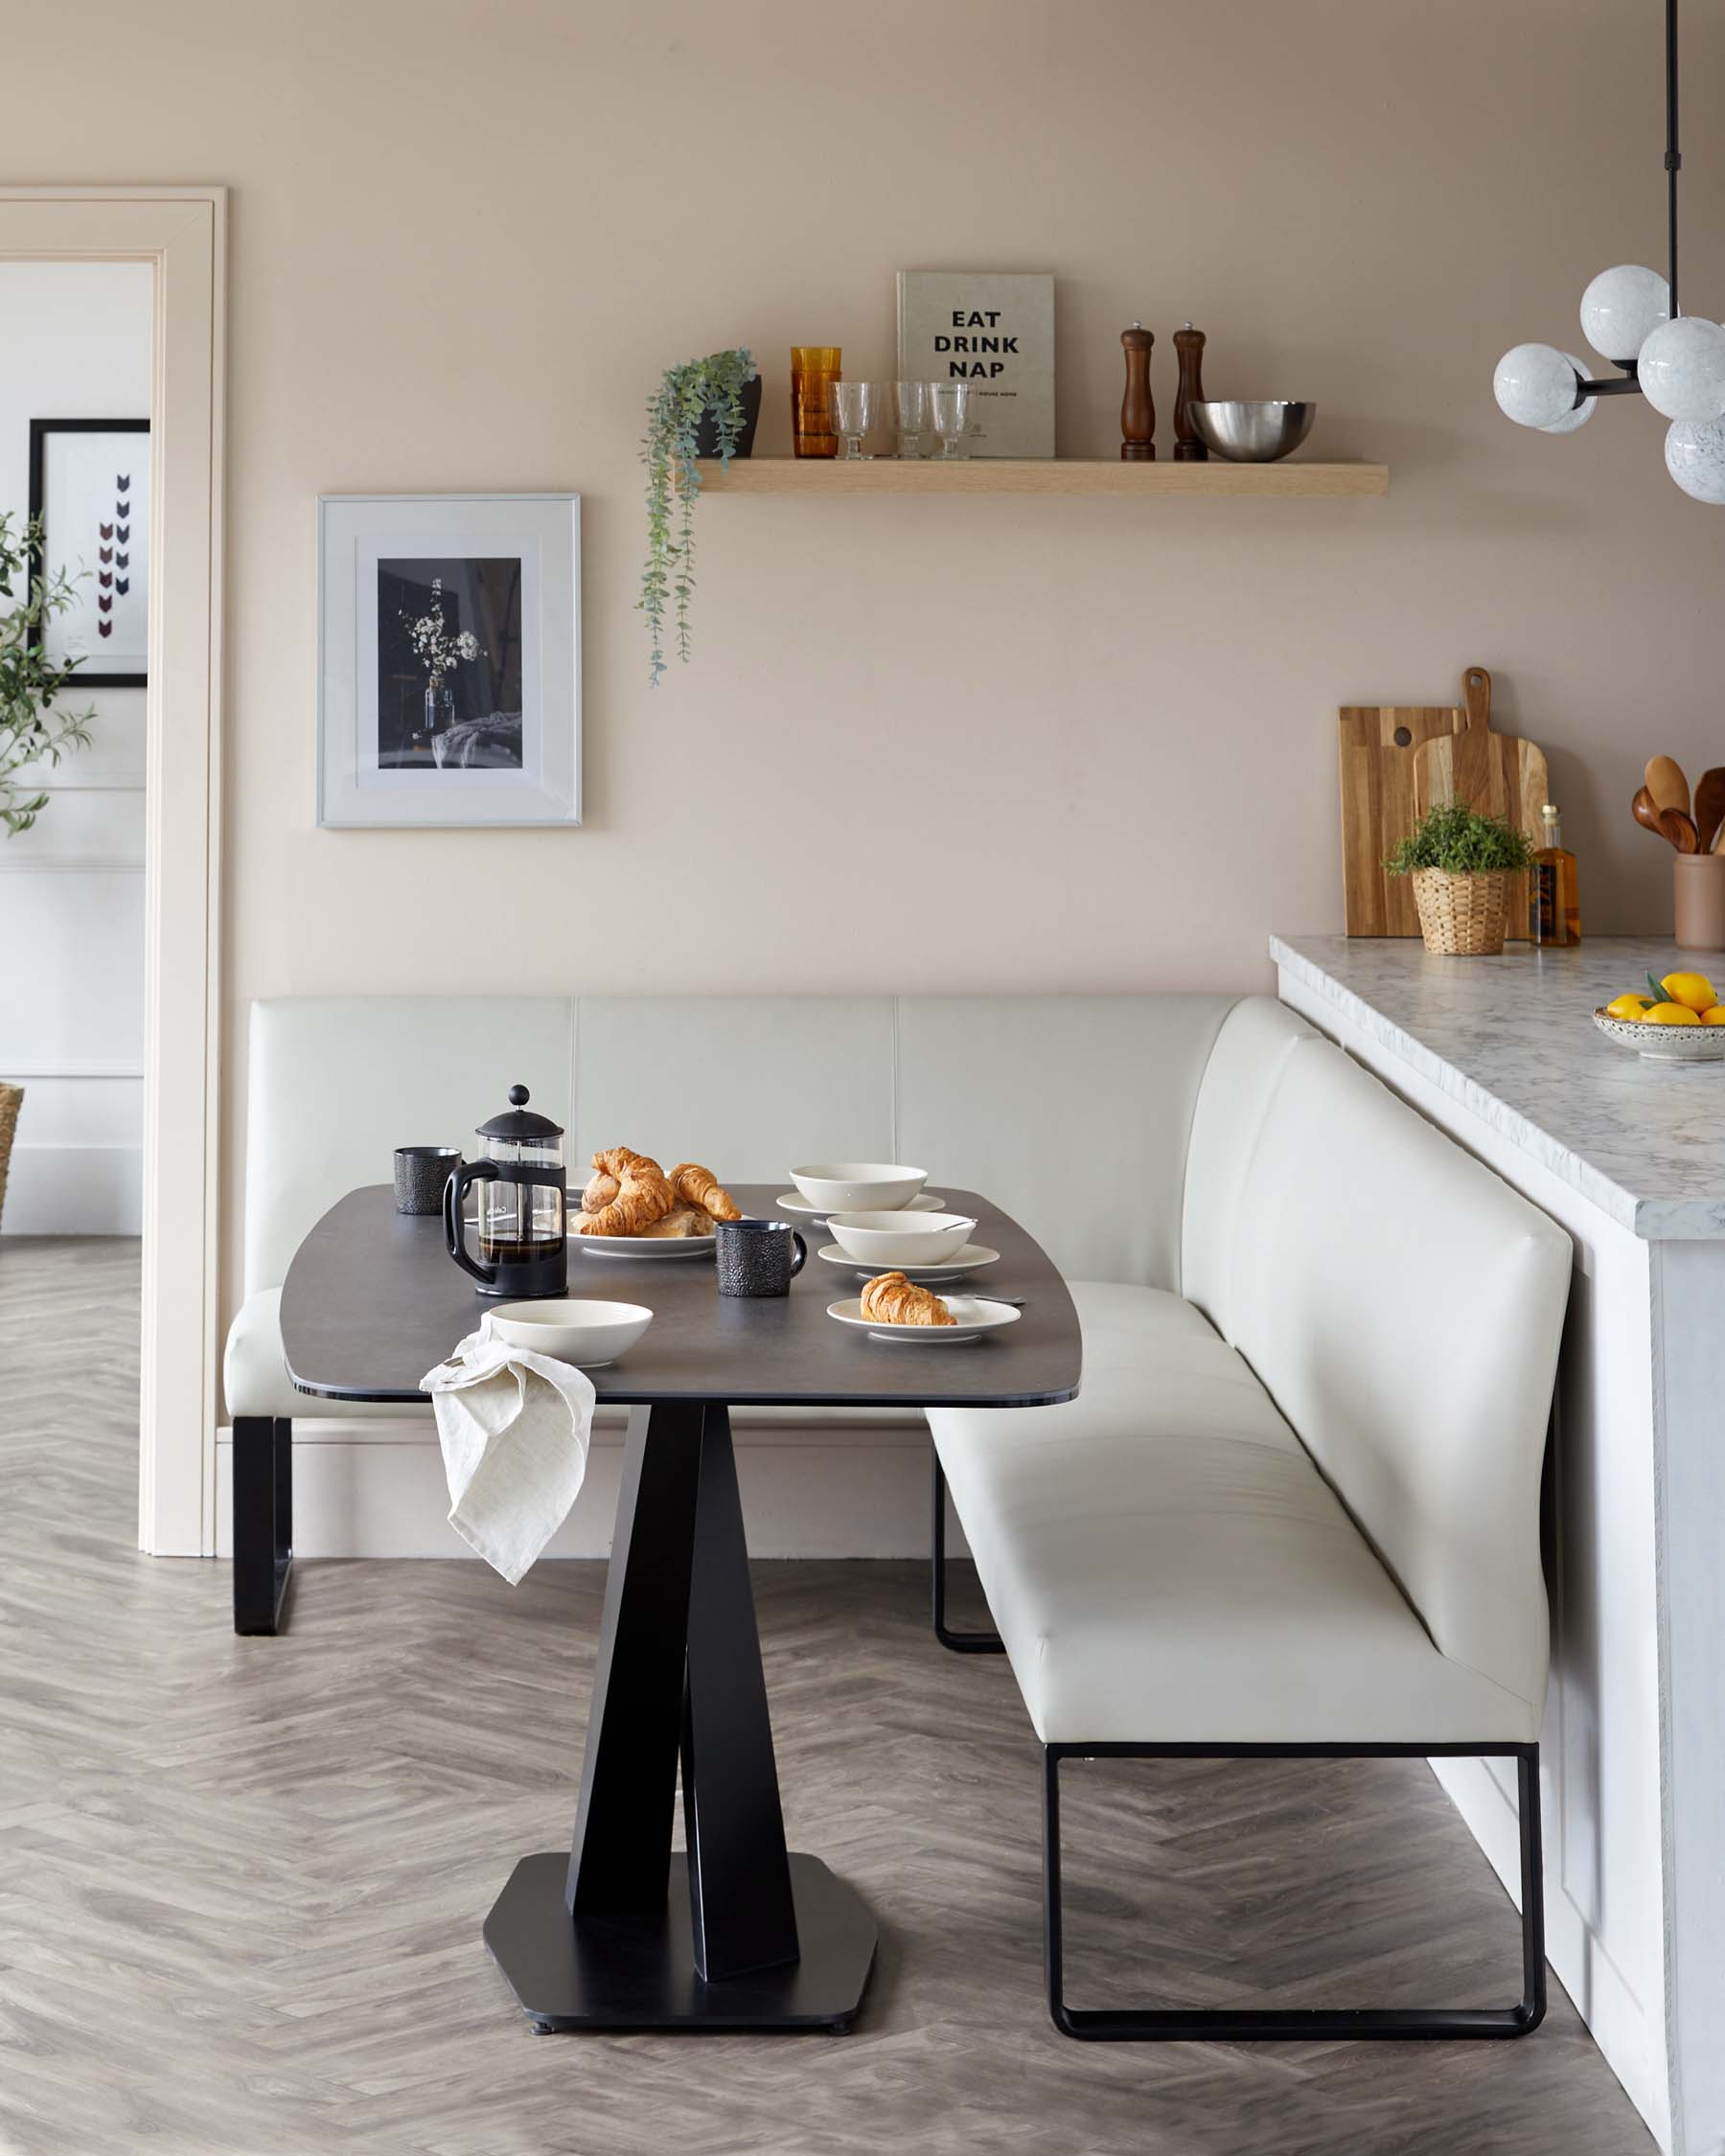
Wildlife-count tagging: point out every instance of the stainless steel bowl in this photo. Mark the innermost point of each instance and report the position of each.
(1253, 433)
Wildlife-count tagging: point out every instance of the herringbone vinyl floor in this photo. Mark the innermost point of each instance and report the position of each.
(241, 1880)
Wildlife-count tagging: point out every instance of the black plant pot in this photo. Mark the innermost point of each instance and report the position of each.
(707, 440)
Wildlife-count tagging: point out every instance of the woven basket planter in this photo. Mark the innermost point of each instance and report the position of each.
(12, 1099)
(1461, 916)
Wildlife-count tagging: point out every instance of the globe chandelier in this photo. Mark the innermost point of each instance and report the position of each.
(1631, 317)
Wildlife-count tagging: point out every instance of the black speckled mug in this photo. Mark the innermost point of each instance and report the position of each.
(757, 1257)
(421, 1172)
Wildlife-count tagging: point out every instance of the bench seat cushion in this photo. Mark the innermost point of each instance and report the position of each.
(1166, 1565)
(256, 1380)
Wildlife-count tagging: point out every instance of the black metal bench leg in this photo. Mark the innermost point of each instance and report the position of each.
(263, 1521)
(960, 1642)
(1235, 2025)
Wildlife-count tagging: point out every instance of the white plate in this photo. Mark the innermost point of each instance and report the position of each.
(969, 1259)
(643, 1245)
(971, 1316)
(793, 1201)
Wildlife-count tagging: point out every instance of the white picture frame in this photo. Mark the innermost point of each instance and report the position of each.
(448, 660)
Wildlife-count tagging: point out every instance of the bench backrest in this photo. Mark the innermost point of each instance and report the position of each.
(1402, 1305)
(1071, 1111)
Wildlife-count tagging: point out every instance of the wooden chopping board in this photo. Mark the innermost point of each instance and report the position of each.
(1498, 774)
(1380, 745)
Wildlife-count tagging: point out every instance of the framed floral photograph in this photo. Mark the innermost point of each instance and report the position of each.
(448, 660)
(89, 484)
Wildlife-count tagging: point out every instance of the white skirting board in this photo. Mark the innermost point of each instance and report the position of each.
(377, 1489)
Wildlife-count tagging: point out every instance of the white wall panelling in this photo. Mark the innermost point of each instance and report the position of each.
(71, 986)
(76, 342)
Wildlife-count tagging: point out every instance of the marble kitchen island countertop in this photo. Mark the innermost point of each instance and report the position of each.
(1513, 1039)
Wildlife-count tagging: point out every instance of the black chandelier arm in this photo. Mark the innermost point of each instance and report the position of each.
(1626, 384)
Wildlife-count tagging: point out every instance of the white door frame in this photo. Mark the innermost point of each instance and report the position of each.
(183, 232)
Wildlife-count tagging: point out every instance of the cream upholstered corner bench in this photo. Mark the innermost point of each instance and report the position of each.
(1005, 1094)
(1294, 1510)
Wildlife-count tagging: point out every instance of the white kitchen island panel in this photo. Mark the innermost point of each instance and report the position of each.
(1629, 1157)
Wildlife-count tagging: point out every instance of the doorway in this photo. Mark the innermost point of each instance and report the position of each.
(178, 237)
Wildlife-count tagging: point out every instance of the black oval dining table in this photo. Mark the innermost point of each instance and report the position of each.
(613, 1933)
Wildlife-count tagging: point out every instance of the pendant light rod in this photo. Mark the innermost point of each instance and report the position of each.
(1626, 384)
(1673, 155)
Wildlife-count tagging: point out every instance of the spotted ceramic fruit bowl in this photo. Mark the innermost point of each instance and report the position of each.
(1664, 1043)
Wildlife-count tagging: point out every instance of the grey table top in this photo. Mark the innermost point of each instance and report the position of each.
(1513, 1040)
(373, 1301)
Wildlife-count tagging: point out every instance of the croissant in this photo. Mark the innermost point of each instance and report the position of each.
(697, 1185)
(891, 1300)
(599, 1193)
(678, 1225)
(643, 1195)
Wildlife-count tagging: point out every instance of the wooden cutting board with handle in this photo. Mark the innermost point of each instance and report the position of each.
(1498, 774)
(1380, 745)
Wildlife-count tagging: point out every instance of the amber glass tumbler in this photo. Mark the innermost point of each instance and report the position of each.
(814, 369)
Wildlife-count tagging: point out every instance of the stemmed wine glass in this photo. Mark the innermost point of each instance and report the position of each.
(855, 407)
(950, 405)
(910, 415)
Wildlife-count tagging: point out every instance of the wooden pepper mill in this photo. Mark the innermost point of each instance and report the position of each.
(1189, 343)
(1137, 412)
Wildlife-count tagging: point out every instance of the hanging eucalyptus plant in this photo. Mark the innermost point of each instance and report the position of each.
(689, 393)
(31, 731)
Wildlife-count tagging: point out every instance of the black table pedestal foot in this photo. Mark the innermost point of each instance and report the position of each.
(633, 1971)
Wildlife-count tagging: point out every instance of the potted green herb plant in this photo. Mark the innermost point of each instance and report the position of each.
(701, 393)
(1460, 861)
(32, 733)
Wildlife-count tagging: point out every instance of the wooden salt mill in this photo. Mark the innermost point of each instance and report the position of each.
(1189, 343)
(1138, 413)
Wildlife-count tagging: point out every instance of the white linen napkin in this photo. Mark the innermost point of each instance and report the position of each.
(514, 1428)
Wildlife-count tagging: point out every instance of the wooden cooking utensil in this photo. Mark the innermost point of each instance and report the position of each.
(1648, 812)
(1667, 823)
(1379, 744)
(1710, 807)
(1497, 774)
(1667, 783)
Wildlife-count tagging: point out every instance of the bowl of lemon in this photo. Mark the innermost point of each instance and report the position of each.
(1679, 1020)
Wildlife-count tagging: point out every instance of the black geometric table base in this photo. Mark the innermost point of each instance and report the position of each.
(638, 1972)
(740, 1934)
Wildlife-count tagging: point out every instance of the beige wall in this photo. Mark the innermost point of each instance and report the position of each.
(466, 238)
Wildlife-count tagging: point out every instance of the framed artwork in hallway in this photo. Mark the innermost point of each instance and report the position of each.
(89, 486)
(448, 660)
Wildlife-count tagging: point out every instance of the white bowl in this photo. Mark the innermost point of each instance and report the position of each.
(858, 1186)
(901, 1238)
(1664, 1043)
(572, 1329)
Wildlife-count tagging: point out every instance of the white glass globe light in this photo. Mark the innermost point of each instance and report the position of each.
(1682, 369)
(1695, 458)
(1621, 308)
(1535, 385)
(1583, 411)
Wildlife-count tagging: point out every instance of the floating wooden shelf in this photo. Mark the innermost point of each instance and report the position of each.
(1032, 475)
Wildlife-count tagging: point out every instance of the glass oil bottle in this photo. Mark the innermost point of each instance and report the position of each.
(1553, 893)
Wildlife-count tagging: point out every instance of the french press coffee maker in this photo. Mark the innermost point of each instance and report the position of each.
(519, 1173)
